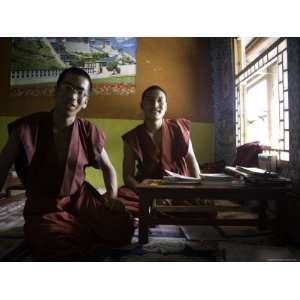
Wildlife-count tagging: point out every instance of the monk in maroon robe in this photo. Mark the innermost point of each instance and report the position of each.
(157, 145)
(65, 217)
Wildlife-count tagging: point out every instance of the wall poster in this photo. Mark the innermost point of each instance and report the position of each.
(37, 62)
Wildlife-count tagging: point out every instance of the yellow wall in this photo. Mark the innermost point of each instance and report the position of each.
(201, 134)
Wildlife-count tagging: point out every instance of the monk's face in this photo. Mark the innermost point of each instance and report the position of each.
(72, 94)
(154, 105)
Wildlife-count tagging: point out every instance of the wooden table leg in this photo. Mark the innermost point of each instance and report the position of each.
(262, 215)
(143, 220)
(281, 235)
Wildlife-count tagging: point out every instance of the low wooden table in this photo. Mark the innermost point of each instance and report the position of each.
(151, 189)
(12, 183)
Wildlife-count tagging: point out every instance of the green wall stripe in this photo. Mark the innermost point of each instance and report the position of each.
(201, 134)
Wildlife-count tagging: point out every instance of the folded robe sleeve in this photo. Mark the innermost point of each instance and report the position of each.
(95, 144)
(184, 126)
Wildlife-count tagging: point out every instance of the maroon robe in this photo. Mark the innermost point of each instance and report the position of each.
(152, 161)
(65, 218)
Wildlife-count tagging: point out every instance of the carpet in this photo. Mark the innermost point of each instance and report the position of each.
(223, 233)
(157, 250)
(241, 252)
(11, 218)
(162, 249)
(166, 244)
(169, 231)
(11, 225)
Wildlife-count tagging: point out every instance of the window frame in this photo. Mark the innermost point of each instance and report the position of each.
(273, 56)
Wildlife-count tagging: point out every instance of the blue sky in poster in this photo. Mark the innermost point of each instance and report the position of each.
(126, 43)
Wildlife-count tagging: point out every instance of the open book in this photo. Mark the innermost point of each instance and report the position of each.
(176, 178)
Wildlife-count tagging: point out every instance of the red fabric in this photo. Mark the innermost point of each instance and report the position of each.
(151, 160)
(77, 228)
(64, 215)
(247, 154)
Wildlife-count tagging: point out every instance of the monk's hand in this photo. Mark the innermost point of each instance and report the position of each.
(113, 204)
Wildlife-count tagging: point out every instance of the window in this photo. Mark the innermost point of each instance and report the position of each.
(261, 93)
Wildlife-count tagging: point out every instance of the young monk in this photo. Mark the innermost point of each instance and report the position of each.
(156, 145)
(65, 217)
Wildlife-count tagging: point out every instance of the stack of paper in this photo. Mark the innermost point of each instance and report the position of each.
(257, 171)
(257, 176)
(176, 178)
(219, 177)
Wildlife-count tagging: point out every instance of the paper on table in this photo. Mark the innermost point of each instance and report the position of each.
(262, 179)
(256, 171)
(175, 177)
(216, 177)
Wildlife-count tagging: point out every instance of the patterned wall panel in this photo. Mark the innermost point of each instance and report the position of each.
(294, 103)
(223, 98)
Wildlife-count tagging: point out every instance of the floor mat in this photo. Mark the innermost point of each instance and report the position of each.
(11, 224)
(241, 252)
(163, 249)
(222, 233)
(164, 231)
(11, 218)
(11, 249)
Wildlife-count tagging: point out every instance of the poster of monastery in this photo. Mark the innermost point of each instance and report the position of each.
(37, 62)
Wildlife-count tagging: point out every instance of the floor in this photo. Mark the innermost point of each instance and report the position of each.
(235, 243)
(243, 243)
